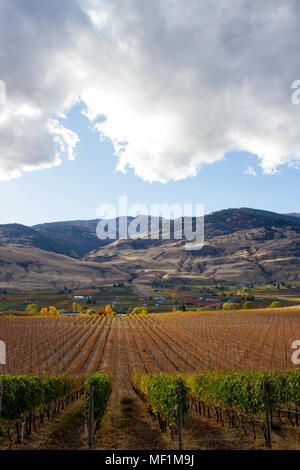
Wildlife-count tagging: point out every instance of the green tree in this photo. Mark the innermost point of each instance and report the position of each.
(275, 305)
(231, 306)
(247, 305)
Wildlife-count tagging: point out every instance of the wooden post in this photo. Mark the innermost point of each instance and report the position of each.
(179, 397)
(91, 416)
(1, 396)
(22, 430)
(268, 414)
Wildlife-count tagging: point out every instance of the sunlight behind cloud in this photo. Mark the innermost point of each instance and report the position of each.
(178, 84)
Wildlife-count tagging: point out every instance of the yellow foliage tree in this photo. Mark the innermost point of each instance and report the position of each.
(76, 308)
(49, 311)
(90, 311)
(32, 308)
(108, 310)
(140, 311)
(53, 310)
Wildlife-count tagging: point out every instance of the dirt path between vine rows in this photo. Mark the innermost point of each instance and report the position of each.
(126, 424)
(63, 432)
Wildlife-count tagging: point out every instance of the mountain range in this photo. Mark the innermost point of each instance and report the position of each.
(240, 244)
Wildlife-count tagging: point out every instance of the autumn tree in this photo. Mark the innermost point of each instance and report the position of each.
(76, 308)
(140, 311)
(108, 310)
(101, 311)
(32, 309)
(90, 311)
(44, 311)
(49, 311)
(53, 310)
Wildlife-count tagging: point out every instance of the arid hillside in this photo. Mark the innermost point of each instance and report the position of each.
(240, 244)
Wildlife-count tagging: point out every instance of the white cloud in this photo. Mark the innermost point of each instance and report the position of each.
(179, 83)
(250, 171)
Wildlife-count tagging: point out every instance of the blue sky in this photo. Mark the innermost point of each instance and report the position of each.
(180, 85)
(74, 189)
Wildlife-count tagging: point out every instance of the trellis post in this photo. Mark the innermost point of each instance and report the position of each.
(91, 417)
(1, 396)
(268, 414)
(180, 420)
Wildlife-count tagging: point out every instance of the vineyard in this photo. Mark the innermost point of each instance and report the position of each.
(184, 344)
(172, 343)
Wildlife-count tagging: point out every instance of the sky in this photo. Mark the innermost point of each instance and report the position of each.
(163, 102)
